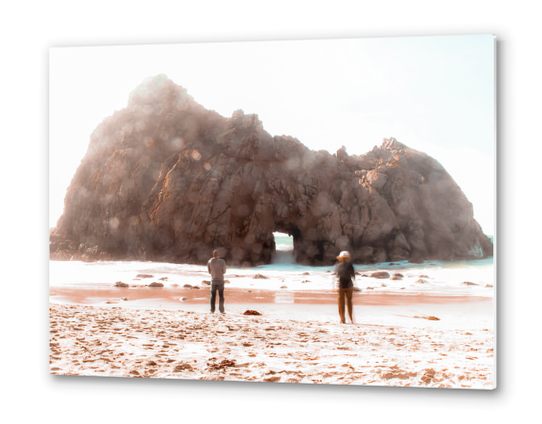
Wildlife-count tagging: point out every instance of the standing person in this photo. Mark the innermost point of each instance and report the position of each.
(344, 270)
(217, 269)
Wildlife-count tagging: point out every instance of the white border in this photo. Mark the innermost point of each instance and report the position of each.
(30, 28)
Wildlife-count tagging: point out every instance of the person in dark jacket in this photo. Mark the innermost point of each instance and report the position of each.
(344, 270)
(217, 269)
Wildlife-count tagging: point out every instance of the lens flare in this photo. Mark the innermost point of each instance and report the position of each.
(114, 223)
(177, 143)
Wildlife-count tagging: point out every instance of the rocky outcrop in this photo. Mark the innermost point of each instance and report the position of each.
(166, 180)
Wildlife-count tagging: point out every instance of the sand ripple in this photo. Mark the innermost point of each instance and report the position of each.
(122, 342)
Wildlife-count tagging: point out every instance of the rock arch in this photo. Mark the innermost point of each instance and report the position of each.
(166, 180)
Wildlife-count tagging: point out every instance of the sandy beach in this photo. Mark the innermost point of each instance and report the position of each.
(416, 339)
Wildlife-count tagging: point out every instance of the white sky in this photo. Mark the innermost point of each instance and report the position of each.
(434, 94)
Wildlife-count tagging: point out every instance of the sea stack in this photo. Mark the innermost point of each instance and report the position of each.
(166, 180)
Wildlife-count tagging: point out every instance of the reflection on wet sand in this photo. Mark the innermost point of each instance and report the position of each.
(284, 297)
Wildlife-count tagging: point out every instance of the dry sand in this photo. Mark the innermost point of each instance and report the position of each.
(111, 340)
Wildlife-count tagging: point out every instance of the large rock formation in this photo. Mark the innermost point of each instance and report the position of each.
(166, 180)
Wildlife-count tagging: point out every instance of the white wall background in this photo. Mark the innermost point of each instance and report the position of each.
(29, 29)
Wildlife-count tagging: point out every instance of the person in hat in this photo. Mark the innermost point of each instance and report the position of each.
(344, 270)
(217, 269)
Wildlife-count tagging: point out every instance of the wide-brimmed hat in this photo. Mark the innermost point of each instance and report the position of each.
(344, 255)
(216, 254)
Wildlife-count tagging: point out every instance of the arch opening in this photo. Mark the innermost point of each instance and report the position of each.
(285, 244)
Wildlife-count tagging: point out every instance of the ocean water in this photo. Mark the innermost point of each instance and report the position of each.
(431, 277)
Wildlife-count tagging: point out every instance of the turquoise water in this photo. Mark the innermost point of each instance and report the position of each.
(284, 261)
(283, 239)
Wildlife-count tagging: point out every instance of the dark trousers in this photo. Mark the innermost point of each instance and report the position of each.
(217, 286)
(345, 296)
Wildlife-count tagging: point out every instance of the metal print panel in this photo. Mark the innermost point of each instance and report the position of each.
(310, 212)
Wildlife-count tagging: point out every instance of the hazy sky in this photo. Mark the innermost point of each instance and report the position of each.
(434, 94)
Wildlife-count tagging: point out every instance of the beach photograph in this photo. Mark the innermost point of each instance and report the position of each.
(301, 211)
(333, 154)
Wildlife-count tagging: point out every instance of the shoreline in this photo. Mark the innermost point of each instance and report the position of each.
(382, 308)
(171, 296)
(457, 279)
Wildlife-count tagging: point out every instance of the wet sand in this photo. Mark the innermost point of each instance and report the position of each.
(170, 297)
(383, 308)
